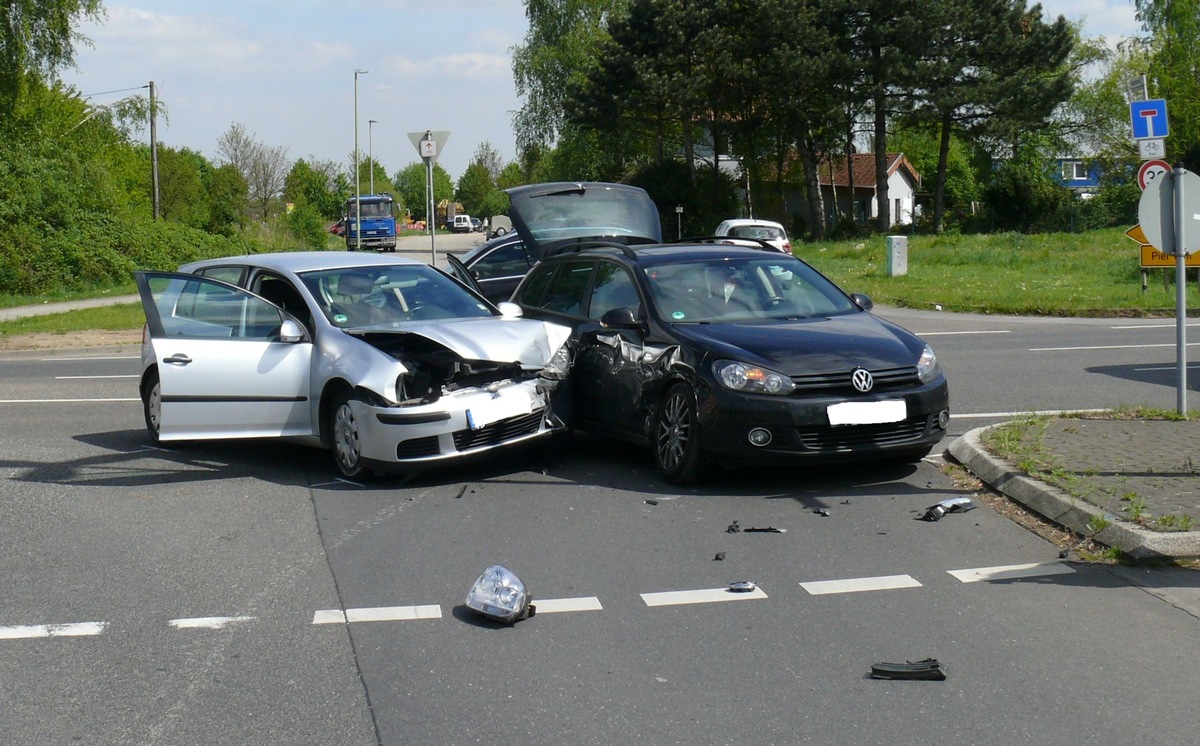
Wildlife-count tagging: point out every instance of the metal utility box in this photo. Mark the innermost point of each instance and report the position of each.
(897, 255)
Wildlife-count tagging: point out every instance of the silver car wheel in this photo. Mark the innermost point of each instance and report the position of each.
(152, 408)
(346, 445)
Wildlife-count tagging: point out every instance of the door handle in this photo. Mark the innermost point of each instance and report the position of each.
(177, 359)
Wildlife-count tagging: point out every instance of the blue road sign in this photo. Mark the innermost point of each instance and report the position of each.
(1149, 119)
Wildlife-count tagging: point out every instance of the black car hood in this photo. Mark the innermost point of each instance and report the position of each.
(552, 215)
(809, 346)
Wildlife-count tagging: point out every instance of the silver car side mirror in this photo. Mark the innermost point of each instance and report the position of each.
(291, 332)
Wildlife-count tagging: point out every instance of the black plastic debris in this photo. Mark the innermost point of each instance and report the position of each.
(651, 502)
(953, 505)
(765, 530)
(822, 512)
(733, 528)
(719, 557)
(924, 670)
(461, 492)
(742, 586)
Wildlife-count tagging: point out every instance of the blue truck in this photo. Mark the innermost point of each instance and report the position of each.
(378, 222)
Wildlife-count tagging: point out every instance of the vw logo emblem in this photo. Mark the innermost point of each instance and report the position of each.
(862, 380)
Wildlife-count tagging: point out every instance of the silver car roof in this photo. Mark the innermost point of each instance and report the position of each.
(294, 262)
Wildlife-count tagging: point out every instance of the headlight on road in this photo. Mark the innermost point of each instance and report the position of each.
(927, 365)
(751, 379)
(499, 594)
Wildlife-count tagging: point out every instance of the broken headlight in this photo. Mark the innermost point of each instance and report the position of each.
(499, 594)
(560, 363)
(751, 379)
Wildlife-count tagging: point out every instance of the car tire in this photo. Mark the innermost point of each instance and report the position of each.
(677, 436)
(152, 406)
(347, 448)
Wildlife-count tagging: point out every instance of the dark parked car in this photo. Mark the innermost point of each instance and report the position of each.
(554, 214)
(718, 353)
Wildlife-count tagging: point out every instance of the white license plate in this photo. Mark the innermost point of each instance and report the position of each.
(486, 411)
(867, 412)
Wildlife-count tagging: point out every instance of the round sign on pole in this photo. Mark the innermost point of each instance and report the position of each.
(1156, 212)
(1151, 170)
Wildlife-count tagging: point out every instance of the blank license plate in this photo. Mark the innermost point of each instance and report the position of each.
(483, 413)
(867, 412)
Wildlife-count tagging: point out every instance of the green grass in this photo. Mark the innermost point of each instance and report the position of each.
(120, 317)
(1060, 274)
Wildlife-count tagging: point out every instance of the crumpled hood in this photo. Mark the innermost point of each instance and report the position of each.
(812, 346)
(503, 340)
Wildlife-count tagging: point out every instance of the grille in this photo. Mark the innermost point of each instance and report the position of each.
(498, 432)
(418, 448)
(886, 379)
(863, 436)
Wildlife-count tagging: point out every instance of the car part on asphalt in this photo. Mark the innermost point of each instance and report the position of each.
(720, 557)
(765, 530)
(500, 595)
(924, 670)
(742, 586)
(953, 505)
(733, 528)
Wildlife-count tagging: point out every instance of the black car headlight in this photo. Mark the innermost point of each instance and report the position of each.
(751, 379)
(927, 365)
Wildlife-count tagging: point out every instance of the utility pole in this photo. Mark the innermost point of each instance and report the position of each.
(153, 153)
(357, 188)
(371, 151)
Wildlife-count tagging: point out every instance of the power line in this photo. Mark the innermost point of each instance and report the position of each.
(119, 90)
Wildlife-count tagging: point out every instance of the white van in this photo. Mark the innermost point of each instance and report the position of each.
(462, 224)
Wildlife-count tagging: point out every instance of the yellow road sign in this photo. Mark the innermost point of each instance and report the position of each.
(1152, 257)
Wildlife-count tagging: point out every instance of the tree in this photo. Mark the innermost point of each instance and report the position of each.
(37, 39)
(410, 185)
(1174, 69)
(313, 188)
(264, 168)
(560, 47)
(182, 195)
(227, 196)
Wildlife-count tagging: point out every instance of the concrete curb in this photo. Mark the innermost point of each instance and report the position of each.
(1068, 511)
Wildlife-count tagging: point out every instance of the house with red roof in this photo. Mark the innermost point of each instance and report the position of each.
(834, 175)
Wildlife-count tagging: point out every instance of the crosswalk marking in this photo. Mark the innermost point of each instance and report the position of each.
(703, 596)
(858, 585)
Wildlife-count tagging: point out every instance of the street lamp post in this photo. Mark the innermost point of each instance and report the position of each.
(357, 190)
(371, 152)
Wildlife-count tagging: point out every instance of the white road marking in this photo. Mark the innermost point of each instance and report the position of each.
(1010, 572)
(378, 614)
(1150, 326)
(79, 629)
(88, 378)
(63, 401)
(558, 605)
(1165, 367)
(208, 622)
(858, 585)
(1106, 347)
(704, 596)
(950, 334)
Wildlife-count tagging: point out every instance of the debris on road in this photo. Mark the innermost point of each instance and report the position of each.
(923, 670)
(822, 512)
(500, 595)
(720, 556)
(765, 530)
(742, 586)
(733, 528)
(953, 505)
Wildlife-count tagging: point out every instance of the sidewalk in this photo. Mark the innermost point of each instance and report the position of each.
(45, 309)
(1116, 468)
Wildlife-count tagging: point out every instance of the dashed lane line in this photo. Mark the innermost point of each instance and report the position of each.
(860, 585)
(378, 614)
(78, 629)
(208, 622)
(1011, 572)
(703, 596)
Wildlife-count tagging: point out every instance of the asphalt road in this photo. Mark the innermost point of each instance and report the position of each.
(243, 593)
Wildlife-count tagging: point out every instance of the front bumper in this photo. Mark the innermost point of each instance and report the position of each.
(799, 427)
(459, 424)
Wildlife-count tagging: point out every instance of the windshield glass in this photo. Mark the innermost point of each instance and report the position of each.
(589, 211)
(373, 209)
(390, 295)
(727, 289)
(762, 232)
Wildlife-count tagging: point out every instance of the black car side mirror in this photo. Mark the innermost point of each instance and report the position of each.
(620, 318)
(863, 300)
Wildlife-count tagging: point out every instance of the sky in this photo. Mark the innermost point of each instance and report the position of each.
(285, 71)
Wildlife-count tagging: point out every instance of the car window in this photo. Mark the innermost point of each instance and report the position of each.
(199, 308)
(532, 290)
(506, 261)
(282, 293)
(613, 288)
(232, 275)
(567, 289)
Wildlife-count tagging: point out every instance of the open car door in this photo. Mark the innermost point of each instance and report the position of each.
(229, 363)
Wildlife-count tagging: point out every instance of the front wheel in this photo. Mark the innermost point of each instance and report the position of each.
(152, 406)
(677, 436)
(347, 447)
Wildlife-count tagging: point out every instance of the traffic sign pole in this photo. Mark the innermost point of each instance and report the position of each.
(1181, 219)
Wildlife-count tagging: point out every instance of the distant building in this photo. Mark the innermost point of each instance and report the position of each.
(903, 182)
(1079, 175)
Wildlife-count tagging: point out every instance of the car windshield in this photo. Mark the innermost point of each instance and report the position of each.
(589, 211)
(743, 289)
(389, 295)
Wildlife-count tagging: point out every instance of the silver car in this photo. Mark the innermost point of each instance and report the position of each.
(385, 360)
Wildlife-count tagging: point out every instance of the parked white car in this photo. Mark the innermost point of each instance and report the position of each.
(387, 361)
(763, 230)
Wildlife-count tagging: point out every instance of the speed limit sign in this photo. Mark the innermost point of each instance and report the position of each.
(1151, 170)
